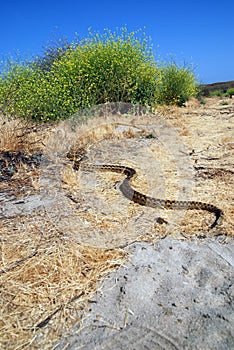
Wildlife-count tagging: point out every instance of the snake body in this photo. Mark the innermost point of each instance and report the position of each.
(137, 197)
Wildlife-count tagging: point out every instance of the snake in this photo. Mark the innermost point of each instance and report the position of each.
(78, 156)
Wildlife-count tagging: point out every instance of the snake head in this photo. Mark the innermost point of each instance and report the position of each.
(77, 154)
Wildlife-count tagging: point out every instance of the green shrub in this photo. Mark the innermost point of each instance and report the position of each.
(230, 92)
(218, 93)
(177, 85)
(222, 93)
(103, 68)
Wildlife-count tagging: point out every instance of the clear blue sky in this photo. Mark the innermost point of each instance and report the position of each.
(198, 32)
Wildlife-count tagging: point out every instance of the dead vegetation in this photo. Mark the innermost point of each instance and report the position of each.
(45, 284)
(51, 265)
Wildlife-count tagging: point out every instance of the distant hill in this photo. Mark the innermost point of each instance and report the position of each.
(223, 86)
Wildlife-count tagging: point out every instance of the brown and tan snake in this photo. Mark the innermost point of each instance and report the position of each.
(80, 154)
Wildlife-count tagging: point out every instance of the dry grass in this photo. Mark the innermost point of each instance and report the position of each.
(48, 276)
(45, 282)
(17, 135)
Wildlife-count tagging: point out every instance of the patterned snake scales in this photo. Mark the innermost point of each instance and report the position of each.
(80, 154)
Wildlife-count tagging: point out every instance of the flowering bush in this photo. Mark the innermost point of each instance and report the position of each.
(111, 67)
(177, 85)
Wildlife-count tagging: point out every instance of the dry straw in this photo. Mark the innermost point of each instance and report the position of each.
(45, 283)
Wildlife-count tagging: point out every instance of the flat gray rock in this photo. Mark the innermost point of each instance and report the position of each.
(10, 206)
(170, 295)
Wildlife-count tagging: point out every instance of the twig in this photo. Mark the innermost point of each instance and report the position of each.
(19, 262)
(48, 318)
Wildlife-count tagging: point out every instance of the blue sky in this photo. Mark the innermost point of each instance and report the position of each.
(197, 32)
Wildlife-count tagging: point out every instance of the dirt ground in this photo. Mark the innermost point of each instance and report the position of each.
(66, 235)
